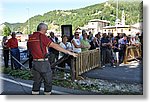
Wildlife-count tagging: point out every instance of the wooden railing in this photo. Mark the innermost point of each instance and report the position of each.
(85, 61)
(132, 53)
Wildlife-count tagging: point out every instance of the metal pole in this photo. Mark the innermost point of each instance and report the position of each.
(28, 22)
(12, 28)
(117, 17)
(117, 9)
(18, 62)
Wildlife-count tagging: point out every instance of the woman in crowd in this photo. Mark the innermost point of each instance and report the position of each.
(84, 42)
(66, 45)
(94, 44)
(76, 44)
(115, 52)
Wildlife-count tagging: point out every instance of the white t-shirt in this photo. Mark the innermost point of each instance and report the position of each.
(77, 41)
(66, 46)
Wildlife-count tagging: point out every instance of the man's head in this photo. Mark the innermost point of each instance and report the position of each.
(104, 35)
(124, 37)
(42, 27)
(52, 34)
(98, 35)
(13, 34)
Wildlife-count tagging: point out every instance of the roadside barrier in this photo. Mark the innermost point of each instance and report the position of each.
(85, 61)
(132, 53)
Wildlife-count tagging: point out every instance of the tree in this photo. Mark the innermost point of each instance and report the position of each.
(6, 31)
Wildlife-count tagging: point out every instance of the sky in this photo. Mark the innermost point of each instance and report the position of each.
(18, 11)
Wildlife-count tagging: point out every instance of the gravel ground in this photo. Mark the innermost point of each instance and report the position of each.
(105, 86)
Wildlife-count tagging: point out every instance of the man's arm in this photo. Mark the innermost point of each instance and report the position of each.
(57, 47)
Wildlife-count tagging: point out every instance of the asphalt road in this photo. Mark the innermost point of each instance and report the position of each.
(130, 73)
(15, 86)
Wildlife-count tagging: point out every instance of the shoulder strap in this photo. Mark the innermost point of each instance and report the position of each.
(41, 46)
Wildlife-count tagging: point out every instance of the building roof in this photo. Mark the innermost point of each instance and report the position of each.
(98, 20)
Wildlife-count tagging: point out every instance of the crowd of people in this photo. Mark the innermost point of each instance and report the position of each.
(112, 50)
(112, 47)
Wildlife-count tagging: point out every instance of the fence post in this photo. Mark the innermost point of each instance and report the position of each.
(73, 69)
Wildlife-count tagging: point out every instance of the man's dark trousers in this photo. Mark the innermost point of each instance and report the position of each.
(15, 53)
(42, 72)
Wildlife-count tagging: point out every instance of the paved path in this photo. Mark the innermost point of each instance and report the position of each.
(131, 73)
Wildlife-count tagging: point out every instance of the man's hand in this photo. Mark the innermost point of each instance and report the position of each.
(73, 54)
(57, 47)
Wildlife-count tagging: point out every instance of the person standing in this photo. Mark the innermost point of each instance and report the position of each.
(115, 52)
(76, 43)
(106, 52)
(98, 36)
(14, 51)
(66, 45)
(53, 52)
(5, 51)
(84, 42)
(94, 44)
(37, 44)
(123, 42)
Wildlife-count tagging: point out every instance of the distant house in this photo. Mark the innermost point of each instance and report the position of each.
(117, 29)
(137, 28)
(95, 25)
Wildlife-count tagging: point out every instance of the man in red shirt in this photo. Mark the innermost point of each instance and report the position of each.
(14, 51)
(37, 44)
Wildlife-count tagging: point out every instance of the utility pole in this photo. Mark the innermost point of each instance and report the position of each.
(117, 10)
(117, 17)
(28, 22)
(12, 28)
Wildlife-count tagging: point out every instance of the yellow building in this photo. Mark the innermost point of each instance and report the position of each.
(117, 29)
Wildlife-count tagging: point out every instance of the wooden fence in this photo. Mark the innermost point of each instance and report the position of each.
(132, 53)
(85, 61)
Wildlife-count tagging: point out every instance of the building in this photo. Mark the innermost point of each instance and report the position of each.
(96, 25)
(137, 28)
(119, 27)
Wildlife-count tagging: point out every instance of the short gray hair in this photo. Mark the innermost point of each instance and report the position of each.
(41, 26)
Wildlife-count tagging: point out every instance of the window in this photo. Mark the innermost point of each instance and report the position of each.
(121, 30)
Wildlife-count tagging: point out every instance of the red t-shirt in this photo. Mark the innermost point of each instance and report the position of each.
(34, 45)
(12, 43)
